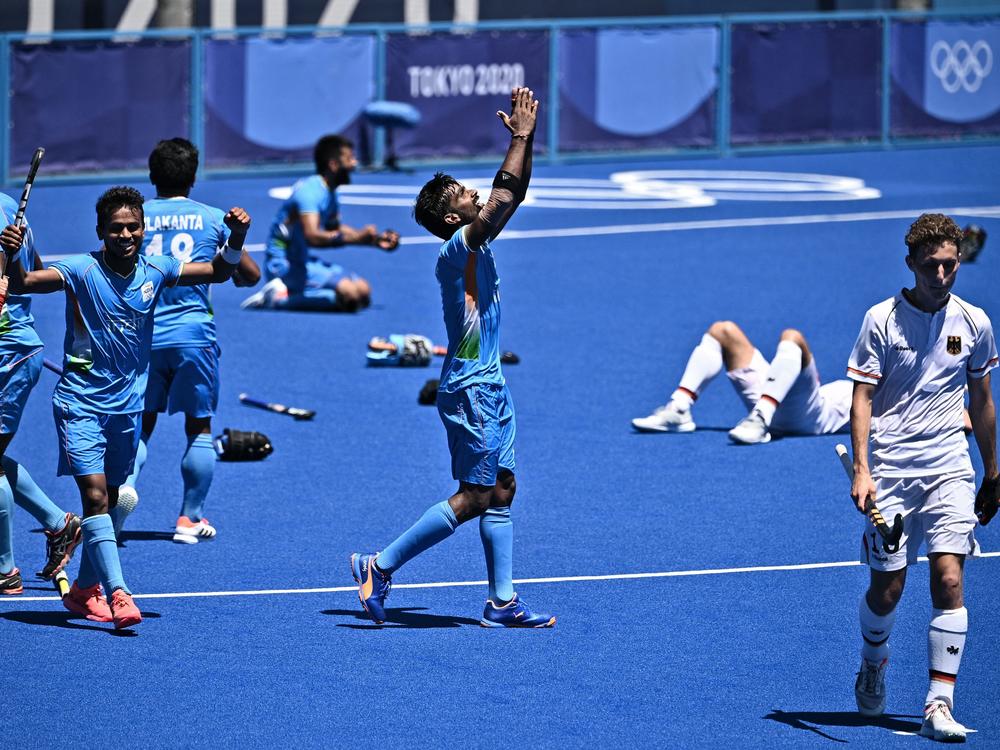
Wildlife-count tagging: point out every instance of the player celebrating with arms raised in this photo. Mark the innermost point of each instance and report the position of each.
(473, 400)
(110, 297)
(913, 358)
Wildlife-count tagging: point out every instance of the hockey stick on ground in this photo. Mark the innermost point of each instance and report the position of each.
(292, 411)
(890, 537)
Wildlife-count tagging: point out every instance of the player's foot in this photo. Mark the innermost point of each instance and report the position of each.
(59, 546)
(266, 296)
(128, 498)
(668, 418)
(940, 725)
(11, 583)
(191, 532)
(123, 610)
(752, 430)
(89, 602)
(514, 614)
(373, 585)
(869, 688)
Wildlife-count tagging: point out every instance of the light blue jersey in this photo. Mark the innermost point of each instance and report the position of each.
(190, 232)
(287, 249)
(470, 296)
(17, 326)
(109, 332)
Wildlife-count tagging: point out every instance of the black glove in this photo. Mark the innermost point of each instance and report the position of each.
(987, 499)
(236, 445)
(429, 393)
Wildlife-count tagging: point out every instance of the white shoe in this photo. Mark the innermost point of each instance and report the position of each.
(940, 725)
(751, 430)
(669, 418)
(265, 297)
(191, 532)
(128, 498)
(869, 688)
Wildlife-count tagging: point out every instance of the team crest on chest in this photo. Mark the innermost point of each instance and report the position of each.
(954, 345)
(147, 295)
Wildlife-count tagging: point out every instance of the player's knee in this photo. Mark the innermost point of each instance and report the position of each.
(95, 501)
(795, 336)
(724, 331)
(348, 296)
(505, 489)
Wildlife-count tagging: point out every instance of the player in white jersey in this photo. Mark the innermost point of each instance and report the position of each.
(915, 355)
(783, 396)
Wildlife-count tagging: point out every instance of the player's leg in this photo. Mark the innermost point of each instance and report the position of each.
(10, 576)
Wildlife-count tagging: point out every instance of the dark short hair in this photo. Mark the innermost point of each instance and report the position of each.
(172, 166)
(327, 148)
(120, 196)
(930, 230)
(433, 202)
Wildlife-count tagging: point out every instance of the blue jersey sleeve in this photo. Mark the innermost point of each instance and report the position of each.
(309, 196)
(169, 267)
(70, 269)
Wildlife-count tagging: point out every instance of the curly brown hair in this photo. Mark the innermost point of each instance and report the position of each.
(932, 229)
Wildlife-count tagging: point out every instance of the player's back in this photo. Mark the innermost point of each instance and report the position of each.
(17, 330)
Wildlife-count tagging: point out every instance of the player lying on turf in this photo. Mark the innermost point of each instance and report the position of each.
(914, 356)
(184, 368)
(97, 403)
(308, 220)
(473, 400)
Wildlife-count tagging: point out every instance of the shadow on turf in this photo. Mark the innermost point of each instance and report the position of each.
(68, 620)
(405, 617)
(803, 720)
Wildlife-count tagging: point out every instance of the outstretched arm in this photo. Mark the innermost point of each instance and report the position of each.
(225, 262)
(525, 165)
(317, 236)
(40, 281)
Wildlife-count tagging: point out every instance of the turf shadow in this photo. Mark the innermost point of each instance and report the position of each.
(146, 536)
(804, 720)
(400, 617)
(66, 620)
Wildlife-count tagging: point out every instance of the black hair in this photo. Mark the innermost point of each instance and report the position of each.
(172, 166)
(328, 148)
(433, 202)
(120, 196)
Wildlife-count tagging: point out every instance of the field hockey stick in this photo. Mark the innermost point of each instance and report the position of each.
(890, 537)
(50, 365)
(292, 411)
(19, 216)
(61, 583)
(382, 345)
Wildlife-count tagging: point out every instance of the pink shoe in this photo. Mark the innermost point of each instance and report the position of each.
(125, 613)
(88, 602)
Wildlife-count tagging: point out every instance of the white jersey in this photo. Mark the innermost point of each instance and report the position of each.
(919, 363)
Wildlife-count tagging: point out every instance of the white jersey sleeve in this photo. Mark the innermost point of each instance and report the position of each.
(984, 350)
(867, 359)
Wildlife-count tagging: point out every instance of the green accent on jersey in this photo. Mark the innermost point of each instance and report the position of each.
(469, 347)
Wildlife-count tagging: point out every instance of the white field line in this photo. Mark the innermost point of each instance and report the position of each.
(454, 584)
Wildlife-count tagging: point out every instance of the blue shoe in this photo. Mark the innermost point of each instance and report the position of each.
(514, 614)
(373, 585)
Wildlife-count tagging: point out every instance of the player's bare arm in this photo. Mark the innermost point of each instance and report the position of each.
(41, 281)
(861, 421)
(982, 413)
(225, 262)
(526, 164)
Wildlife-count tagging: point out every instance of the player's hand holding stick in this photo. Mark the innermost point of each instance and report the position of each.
(890, 537)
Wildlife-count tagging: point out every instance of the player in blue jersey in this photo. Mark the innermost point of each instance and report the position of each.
(20, 365)
(184, 369)
(473, 400)
(110, 297)
(309, 220)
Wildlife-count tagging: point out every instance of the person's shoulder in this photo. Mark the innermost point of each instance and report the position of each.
(880, 311)
(161, 263)
(8, 204)
(976, 315)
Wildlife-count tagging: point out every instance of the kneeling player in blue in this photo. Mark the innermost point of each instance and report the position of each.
(184, 369)
(110, 297)
(473, 400)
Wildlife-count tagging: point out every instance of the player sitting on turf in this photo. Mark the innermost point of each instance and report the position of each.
(20, 366)
(310, 218)
(783, 396)
(473, 400)
(184, 368)
(97, 403)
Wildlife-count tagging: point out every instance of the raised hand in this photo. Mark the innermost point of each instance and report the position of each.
(11, 238)
(237, 220)
(388, 240)
(523, 113)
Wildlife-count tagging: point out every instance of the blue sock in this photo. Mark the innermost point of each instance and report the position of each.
(99, 541)
(87, 576)
(197, 468)
(6, 526)
(497, 532)
(436, 524)
(30, 496)
(140, 461)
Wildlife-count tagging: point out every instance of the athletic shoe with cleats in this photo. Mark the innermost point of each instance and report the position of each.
(373, 585)
(869, 688)
(514, 614)
(60, 545)
(89, 603)
(11, 583)
(268, 294)
(669, 418)
(752, 430)
(191, 532)
(123, 610)
(940, 725)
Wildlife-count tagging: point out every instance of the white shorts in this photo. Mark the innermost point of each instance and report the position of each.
(808, 409)
(937, 509)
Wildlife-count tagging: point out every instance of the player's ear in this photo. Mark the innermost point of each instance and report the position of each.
(452, 218)
(100, 232)
(909, 261)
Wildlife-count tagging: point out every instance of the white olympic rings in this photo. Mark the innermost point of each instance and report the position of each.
(961, 66)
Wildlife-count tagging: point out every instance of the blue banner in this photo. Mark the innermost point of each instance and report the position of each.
(637, 88)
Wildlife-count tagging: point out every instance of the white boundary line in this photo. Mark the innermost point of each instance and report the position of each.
(455, 584)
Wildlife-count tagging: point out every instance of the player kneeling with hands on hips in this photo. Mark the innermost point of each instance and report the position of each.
(110, 297)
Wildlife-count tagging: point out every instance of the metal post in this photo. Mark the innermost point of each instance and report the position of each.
(723, 114)
(197, 97)
(553, 103)
(380, 86)
(5, 108)
(886, 80)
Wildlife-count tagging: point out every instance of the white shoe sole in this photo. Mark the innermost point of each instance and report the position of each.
(182, 538)
(740, 441)
(689, 427)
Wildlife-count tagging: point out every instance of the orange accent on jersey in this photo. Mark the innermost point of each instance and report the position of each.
(865, 374)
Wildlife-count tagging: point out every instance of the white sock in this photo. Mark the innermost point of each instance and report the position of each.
(766, 408)
(945, 644)
(704, 364)
(681, 399)
(782, 374)
(875, 630)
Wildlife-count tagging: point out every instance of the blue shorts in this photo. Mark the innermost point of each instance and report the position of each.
(97, 444)
(479, 420)
(184, 379)
(18, 375)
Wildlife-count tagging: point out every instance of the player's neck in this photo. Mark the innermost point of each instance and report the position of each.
(169, 196)
(121, 266)
(924, 303)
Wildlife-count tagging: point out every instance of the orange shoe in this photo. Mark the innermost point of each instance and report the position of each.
(89, 602)
(124, 611)
(11, 583)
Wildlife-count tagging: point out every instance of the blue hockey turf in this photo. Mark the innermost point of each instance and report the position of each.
(706, 594)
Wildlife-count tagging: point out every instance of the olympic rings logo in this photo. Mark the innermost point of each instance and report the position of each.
(962, 66)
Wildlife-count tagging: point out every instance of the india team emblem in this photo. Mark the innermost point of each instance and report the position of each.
(954, 345)
(147, 295)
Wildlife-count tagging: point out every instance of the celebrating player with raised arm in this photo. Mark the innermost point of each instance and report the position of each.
(913, 358)
(110, 297)
(473, 400)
